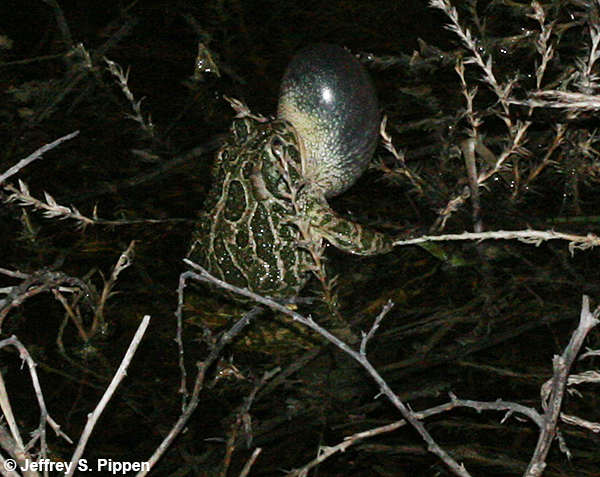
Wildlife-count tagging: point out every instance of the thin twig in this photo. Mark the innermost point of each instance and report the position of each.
(384, 387)
(553, 391)
(250, 462)
(22, 454)
(118, 377)
(125, 260)
(533, 237)
(36, 155)
(367, 336)
(190, 406)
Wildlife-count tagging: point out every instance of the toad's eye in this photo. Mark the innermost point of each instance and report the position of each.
(277, 147)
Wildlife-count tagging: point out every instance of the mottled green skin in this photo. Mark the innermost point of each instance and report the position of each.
(266, 217)
(261, 215)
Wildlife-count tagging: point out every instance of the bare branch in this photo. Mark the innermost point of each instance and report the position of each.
(117, 378)
(36, 155)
